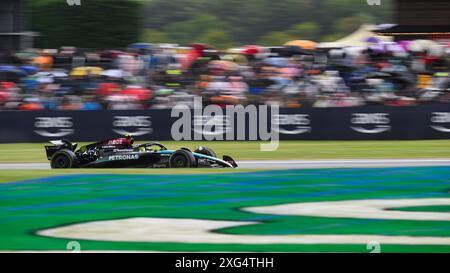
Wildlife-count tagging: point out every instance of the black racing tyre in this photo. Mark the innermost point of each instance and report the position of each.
(182, 159)
(205, 151)
(64, 159)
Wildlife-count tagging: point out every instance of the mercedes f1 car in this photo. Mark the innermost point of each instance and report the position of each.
(115, 153)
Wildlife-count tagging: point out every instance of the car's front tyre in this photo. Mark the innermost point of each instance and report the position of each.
(64, 159)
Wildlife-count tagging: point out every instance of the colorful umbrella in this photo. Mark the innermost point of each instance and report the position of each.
(252, 49)
(54, 74)
(278, 62)
(7, 85)
(116, 73)
(108, 89)
(421, 45)
(305, 44)
(137, 92)
(223, 65)
(201, 48)
(12, 69)
(372, 40)
(29, 69)
(236, 58)
(86, 70)
(392, 47)
(405, 44)
(146, 46)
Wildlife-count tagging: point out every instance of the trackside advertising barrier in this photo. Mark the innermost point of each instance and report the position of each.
(356, 123)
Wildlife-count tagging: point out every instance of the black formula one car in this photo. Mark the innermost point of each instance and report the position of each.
(118, 153)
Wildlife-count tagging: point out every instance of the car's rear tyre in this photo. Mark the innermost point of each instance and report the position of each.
(64, 159)
(205, 151)
(182, 159)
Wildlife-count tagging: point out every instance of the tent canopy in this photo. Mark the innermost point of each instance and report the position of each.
(358, 38)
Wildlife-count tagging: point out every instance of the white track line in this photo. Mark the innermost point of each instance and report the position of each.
(356, 161)
(24, 166)
(292, 164)
(344, 163)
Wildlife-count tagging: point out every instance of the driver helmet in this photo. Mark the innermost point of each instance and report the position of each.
(129, 138)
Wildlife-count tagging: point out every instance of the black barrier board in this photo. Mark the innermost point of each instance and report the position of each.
(356, 123)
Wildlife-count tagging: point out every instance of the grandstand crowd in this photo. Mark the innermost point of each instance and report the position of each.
(299, 74)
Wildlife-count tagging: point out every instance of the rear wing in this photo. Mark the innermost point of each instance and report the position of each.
(59, 145)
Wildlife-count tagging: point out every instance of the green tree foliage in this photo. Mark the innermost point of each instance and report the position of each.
(189, 31)
(217, 38)
(251, 21)
(100, 23)
(94, 24)
(154, 36)
(305, 31)
(276, 38)
(348, 24)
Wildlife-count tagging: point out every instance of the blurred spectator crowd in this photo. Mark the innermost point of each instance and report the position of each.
(299, 74)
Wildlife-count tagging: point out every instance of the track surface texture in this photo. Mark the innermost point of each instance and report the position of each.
(303, 210)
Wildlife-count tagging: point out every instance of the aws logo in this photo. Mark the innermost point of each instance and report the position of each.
(441, 122)
(293, 124)
(370, 123)
(54, 126)
(212, 125)
(133, 125)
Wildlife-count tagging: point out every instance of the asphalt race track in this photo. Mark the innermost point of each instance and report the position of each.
(292, 164)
